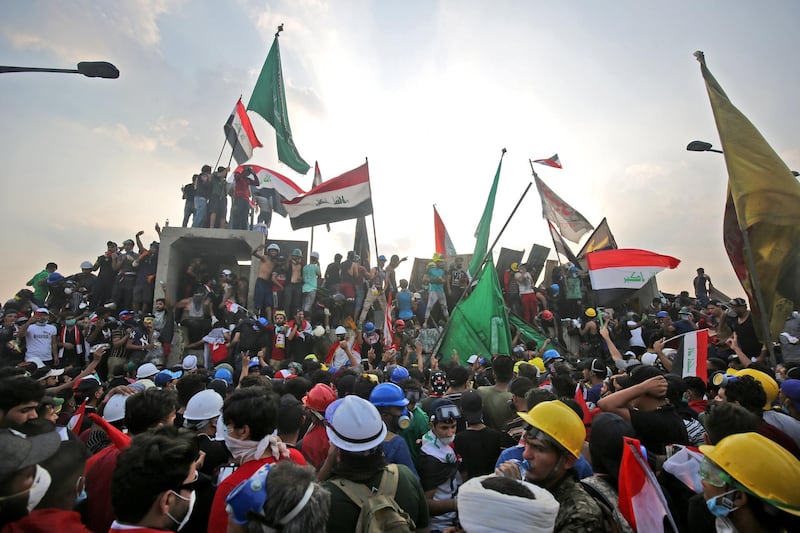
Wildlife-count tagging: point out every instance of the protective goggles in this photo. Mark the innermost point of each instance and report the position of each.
(714, 475)
(447, 413)
(531, 434)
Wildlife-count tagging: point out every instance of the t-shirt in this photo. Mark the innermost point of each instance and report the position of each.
(396, 451)
(218, 519)
(39, 291)
(311, 275)
(658, 428)
(409, 496)
(433, 274)
(404, 311)
(39, 343)
(315, 445)
(496, 412)
(479, 449)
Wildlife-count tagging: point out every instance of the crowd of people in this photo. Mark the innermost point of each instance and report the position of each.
(304, 410)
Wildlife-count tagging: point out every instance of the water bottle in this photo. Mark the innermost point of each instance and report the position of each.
(523, 467)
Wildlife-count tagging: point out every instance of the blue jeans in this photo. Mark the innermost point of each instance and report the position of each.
(200, 212)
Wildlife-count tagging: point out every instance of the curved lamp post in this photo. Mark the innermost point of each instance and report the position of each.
(90, 69)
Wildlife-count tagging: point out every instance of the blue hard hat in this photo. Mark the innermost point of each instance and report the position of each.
(369, 327)
(555, 288)
(399, 374)
(263, 321)
(248, 497)
(54, 278)
(388, 394)
(225, 375)
(550, 354)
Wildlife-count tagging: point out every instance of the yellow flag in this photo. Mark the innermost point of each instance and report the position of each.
(766, 198)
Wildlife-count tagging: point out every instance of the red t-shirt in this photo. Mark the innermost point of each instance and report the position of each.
(316, 445)
(48, 520)
(218, 519)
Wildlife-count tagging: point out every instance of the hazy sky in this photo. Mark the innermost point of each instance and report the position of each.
(429, 91)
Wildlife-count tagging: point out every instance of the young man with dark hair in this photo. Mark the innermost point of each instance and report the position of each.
(496, 413)
(250, 416)
(153, 485)
(19, 398)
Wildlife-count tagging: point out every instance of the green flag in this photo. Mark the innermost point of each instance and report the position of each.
(269, 101)
(482, 233)
(479, 324)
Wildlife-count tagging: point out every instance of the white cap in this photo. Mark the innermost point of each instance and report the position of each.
(315, 255)
(115, 408)
(472, 359)
(146, 370)
(649, 358)
(86, 265)
(53, 372)
(189, 362)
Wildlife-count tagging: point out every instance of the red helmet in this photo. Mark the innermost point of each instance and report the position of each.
(399, 323)
(547, 315)
(319, 397)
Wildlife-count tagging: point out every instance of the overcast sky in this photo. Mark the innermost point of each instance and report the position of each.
(429, 91)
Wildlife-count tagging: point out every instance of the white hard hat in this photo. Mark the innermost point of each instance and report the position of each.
(204, 405)
(145, 371)
(315, 255)
(356, 425)
(86, 265)
(341, 331)
(115, 408)
(318, 331)
(274, 246)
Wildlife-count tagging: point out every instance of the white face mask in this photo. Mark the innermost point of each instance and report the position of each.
(192, 497)
(447, 441)
(41, 482)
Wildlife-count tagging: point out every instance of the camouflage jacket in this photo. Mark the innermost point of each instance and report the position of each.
(579, 512)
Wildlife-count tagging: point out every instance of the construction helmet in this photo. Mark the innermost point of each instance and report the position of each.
(204, 405)
(550, 354)
(547, 315)
(437, 257)
(399, 323)
(761, 467)
(770, 385)
(369, 327)
(340, 330)
(556, 420)
(275, 247)
(388, 395)
(115, 408)
(590, 312)
(319, 397)
(515, 267)
(356, 425)
(297, 252)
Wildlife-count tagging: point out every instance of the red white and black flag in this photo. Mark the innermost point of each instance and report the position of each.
(240, 134)
(554, 161)
(692, 355)
(342, 198)
(444, 246)
(617, 274)
(570, 223)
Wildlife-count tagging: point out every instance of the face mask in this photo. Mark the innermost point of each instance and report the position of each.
(70, 322)
(42, 321)
(191, 499)
(447, 441)
(721, 506)
(41, 482)
(67, 291)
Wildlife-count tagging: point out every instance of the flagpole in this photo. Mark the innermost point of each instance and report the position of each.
(374, 233)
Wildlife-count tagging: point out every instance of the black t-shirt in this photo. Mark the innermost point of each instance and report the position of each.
(479, 449)
(658, 428)
(253, 337)
(746, 336)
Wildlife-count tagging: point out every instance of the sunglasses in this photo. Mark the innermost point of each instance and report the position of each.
(714, 475)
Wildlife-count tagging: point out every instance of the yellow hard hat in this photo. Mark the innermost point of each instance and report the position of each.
(560, 423)
(769, 384)
(514, 266)
(538, 363)
(590, 312)
(761, 467)
(437, 257)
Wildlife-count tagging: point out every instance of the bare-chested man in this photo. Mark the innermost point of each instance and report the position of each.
(293, 289)
(263, 293)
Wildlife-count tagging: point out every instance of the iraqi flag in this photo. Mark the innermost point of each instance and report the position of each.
(240, 134)
(554, 161)
(269, 180)
(692, 355)
(341, 198)
(617, 274)
(641, 500)
(444, 246)
(76, 421)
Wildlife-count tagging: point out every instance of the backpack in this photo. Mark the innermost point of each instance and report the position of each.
(379, 511)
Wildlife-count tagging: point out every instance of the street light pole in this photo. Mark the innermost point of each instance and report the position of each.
(90, 69)
(702, 146)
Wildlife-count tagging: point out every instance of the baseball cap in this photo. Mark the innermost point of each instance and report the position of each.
(472, 358)
(472, 407)
(164, 377)
(791, 389)
(47, 372)
(145, 371)
(18, 451)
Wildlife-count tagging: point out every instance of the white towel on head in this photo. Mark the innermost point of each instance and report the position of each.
(483, 510)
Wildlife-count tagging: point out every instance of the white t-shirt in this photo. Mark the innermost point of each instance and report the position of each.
(39, 341)
(340, 357)
(636, 335)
